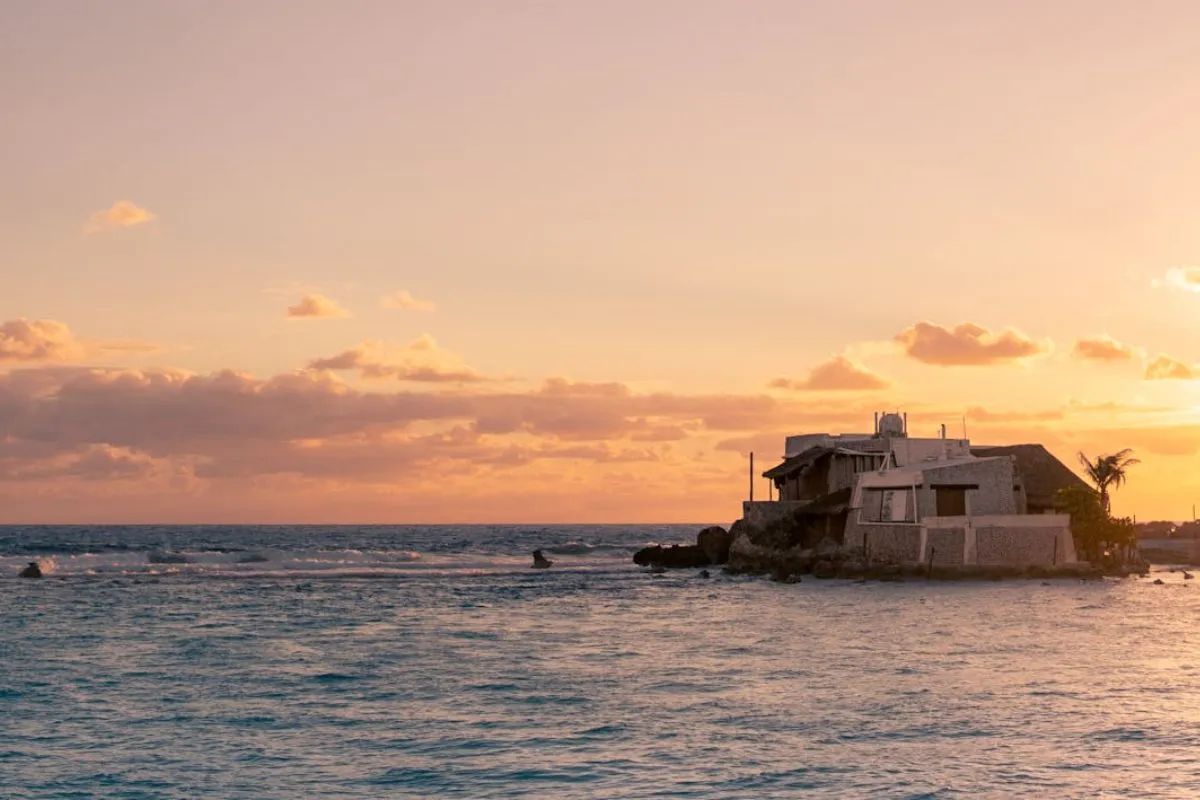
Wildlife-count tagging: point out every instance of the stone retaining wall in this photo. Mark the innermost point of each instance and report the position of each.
(1020, 547)
(896, 544)
(946, 545)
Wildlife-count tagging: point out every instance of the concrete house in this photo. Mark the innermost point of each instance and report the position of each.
(915, 501)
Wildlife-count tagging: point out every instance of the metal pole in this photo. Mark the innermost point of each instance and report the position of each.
(751, 476)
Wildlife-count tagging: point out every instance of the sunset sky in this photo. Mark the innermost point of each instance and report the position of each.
(456, 261)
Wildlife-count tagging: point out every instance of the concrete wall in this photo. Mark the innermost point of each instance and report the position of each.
(994, 495)
(1170, 550)
(1020, 547)
(795, 445)
(760, 512)
(911, 452)
(946, 545)
(1011, 540)
(898, 544)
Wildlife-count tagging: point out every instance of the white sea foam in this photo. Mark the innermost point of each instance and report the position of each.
(293, 562)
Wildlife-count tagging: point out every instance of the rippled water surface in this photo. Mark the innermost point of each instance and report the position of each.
(432, 662)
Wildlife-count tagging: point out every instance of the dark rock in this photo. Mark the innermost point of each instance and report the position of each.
(782, 533)
(754, 550)
(715, 542)
(540, 561)
(675, 557)
(711, 548)
(824, 569)
(32, 571)
(704, 574)
(827, 548)
(1158, 581)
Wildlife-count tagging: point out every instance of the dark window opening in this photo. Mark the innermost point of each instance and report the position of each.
(951, 502)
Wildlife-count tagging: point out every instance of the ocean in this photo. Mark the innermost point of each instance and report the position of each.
(408, 661)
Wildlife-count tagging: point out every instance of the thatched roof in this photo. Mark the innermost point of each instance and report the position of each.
(1041, 473)
(797, 462)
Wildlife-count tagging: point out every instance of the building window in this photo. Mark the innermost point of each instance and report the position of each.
(887, 505)
(951, 501)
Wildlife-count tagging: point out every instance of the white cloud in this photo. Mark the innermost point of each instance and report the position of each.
(406, 302)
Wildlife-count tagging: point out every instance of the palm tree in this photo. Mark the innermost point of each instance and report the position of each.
(1107, 472)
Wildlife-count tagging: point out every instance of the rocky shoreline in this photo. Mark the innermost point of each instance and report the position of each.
(776, 551)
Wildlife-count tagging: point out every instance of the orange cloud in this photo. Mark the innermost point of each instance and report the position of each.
(46, 340)
(152, 445)
(1102, 348)
(163, 444)
(39, 340)
(1165, 368)
(422, 361)
(406, 302)
(312, 423)
(89, 463)
(121, 424)
(315, 306)
(837, 374)
(966, 345)
(561, 387)
(122, 214)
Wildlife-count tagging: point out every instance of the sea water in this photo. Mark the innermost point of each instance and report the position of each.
(296, 662)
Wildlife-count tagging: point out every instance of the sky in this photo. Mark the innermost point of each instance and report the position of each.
(524, 261)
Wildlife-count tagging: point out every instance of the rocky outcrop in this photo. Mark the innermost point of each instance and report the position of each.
(711, 549)
(780, 547)
(34, 570)
(715, 542)
(676, 556)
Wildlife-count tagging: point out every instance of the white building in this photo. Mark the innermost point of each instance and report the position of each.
(925, 501)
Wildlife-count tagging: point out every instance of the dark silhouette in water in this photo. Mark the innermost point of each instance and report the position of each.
(540, 561)
(32, 571)
(711, 548)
